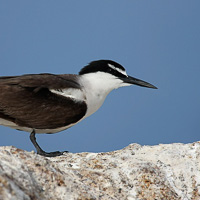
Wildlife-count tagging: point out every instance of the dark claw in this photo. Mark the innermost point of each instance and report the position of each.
(51, 154)
(39, 149)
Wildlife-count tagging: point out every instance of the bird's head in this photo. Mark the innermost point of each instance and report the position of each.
(111, 74)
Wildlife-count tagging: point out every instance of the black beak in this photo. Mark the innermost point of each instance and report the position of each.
(139, 82)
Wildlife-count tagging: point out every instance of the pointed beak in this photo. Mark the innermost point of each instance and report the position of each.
(135, 81)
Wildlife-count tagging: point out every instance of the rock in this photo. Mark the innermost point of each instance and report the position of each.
(165, 171)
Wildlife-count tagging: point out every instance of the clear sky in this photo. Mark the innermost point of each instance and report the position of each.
(156, 41)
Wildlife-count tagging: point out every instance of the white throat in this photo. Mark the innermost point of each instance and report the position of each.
(96, 87)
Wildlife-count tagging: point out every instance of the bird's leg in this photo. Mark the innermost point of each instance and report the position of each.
(39, 149)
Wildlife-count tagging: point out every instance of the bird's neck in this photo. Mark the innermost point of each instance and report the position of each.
(96, 89)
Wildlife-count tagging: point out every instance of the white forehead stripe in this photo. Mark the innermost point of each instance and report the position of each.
(117, 69)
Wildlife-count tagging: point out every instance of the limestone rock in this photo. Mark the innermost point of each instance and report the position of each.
(165, 171)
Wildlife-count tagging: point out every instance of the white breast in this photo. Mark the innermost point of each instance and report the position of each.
(94, 101)
(96, 87)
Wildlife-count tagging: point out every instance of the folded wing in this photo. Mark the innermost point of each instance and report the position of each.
(28, 101)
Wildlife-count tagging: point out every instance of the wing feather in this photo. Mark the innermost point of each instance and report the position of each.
(27, 101)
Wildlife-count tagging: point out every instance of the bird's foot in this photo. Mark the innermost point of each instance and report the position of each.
(51, 154)
(42, 152)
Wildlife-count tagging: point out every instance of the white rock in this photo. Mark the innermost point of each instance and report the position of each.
(170, 171)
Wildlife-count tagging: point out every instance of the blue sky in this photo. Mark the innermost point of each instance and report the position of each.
(156, 41)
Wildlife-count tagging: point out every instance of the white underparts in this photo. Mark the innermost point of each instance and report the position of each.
(15, 126)
(96, 87)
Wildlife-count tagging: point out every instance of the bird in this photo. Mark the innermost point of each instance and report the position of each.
(50, 103)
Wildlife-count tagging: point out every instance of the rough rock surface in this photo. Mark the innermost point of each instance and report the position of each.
(170, 171)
